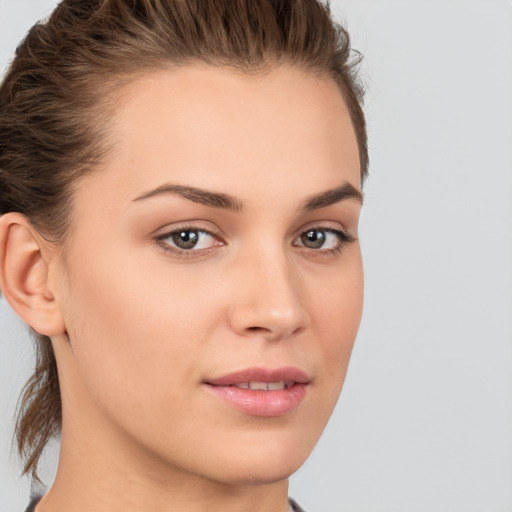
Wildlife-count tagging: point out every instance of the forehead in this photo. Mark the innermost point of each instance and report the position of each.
(214, 127)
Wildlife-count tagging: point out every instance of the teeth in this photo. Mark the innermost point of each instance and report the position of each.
(275, 385)
(263, 386)
(258, 385)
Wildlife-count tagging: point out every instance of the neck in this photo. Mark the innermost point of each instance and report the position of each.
(91, 477)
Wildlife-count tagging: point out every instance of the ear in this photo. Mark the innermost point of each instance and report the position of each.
(24, 265)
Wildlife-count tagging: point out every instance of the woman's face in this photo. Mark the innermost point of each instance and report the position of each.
(216, 251)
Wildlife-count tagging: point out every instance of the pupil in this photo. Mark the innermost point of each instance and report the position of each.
(185, 239)
(313, 239)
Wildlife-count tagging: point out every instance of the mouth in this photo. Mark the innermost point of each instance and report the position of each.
(264, 386)
(262, 392)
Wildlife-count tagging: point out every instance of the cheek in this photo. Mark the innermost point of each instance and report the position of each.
(337, 315)
(138, 323)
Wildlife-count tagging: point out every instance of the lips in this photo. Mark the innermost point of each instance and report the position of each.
(260, 391)
(287, 374)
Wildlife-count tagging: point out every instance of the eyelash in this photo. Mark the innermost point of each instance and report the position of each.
(185, 253)
(343, 237)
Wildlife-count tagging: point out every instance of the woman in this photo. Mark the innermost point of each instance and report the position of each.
(181, 187)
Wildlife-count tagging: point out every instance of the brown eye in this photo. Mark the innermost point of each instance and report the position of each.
(313, 239)
(186, 239)
(323, 240)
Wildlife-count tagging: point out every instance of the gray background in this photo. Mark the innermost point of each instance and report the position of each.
(424, 422)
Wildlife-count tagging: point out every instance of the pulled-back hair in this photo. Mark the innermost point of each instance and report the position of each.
(58, 97)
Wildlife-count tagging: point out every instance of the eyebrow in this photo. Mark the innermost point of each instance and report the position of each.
(229, 202)
(197, 195)
(332, 196)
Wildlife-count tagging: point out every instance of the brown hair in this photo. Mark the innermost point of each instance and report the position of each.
(54, 111)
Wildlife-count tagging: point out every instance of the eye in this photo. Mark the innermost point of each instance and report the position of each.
(324, 239)
(186, 239)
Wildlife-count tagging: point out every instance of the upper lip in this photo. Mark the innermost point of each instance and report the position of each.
(286, 374)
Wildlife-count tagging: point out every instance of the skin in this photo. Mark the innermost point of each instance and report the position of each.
(137, 329)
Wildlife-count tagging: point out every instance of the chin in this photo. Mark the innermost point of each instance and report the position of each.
(260, 466)
(263, 475)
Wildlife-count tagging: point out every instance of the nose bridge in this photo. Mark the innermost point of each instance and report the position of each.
(269, 299)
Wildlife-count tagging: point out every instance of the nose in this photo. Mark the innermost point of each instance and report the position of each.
(268, 302)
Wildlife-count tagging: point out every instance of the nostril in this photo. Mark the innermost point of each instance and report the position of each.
(257, 329)
(298, 330)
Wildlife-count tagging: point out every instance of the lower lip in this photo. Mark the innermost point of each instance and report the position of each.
(255, 402)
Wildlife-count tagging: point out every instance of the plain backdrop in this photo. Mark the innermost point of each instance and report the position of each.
(424, 422)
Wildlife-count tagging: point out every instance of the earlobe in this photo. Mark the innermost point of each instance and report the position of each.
(24, 275)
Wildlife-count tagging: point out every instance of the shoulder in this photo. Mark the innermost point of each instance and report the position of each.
(33, 503)
(294, 507)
